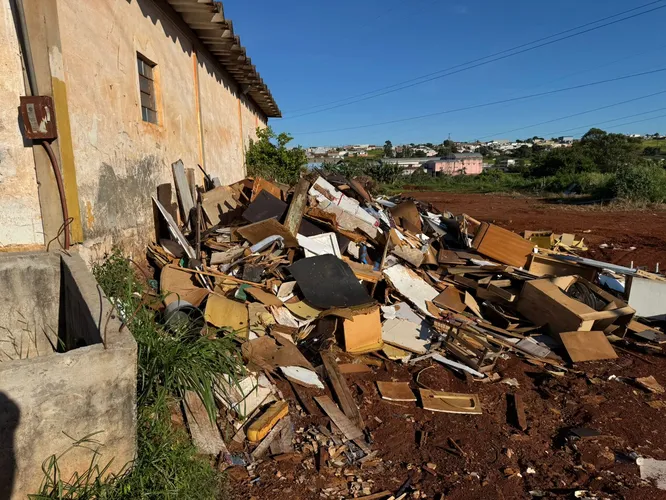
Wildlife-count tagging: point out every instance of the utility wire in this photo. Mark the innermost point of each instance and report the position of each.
(572, 115)
(447, 71)
(553, 134)
(492, 103)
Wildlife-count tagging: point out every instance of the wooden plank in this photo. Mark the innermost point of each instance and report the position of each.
(346, 426)
(517, 411)
(183, 190)
(267, 421)
(297, 208)
(542, 265)
(502, 245)
(505, 294)
(353, 368)
(264, 446)
(341, 390)
(264, 185)
(205, 434)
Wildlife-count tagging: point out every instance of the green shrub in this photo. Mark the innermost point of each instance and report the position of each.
(269, 157)
(644, 181)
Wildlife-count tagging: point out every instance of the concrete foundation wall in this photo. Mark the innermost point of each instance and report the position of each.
(20, 216)
(87, 391)
(30, 294)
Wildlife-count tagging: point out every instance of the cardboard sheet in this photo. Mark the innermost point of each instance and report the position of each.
(226, 313)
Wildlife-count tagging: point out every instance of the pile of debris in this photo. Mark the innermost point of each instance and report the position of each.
(321, 280)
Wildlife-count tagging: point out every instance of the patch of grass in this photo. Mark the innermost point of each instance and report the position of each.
(170, 363)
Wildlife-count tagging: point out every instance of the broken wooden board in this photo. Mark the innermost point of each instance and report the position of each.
(449, 402)
(395, 391)
(297, 207)
(183, 190)
(449, 257)
(226, 313)
(346, 426)
(412, 255)
(516, 409)
(411, 286)
(353, 368)
(261, 184)
(543, 265)
(472, 305)
(502, 245)
(363, 333)
(413, 337)
(205, 434)
(258, 231)
(218, 201)
(450, 299)
(342, 392)
(265, 445)
(179, 285)
(348, 212)
(587, 346)
(408, 211)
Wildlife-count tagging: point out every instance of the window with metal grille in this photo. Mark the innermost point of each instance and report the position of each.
(147, 89)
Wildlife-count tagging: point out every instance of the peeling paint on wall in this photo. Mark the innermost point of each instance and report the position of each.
(20, 216)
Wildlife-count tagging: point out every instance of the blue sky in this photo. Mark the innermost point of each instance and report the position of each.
(316, 52)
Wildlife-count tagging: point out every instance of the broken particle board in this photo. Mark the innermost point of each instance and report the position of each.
(411, 286)
(266, 298)
(449, 402)
(183, 190)
(413, 337)
(450, 299)
(587, 346)
(265, 206)
(261, 184)
(395, 391)
(502, 245)
(363, 333)
(258, 231)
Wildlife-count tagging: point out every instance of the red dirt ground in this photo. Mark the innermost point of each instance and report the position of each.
(495, 450)
(621, 229)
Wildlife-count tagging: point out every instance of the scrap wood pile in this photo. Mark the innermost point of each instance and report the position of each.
(320, 280)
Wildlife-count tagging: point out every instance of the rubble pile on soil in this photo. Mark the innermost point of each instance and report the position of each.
(397, 351)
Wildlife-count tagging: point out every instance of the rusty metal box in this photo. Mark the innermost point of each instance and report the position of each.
(38, 117)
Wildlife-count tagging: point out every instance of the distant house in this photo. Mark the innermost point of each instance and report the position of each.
(456, 164)
(408, 165)
(567, 139)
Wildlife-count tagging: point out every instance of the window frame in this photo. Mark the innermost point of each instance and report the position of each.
(147, 79)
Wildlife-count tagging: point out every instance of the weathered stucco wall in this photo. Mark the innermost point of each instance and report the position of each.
(20, 216)
(120, 159)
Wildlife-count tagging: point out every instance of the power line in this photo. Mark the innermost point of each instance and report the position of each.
(553, 134)
(447, 71)
(638, 121)
(492, 103)
(573, 115)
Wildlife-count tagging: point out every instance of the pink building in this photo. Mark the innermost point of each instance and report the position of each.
(456, 164)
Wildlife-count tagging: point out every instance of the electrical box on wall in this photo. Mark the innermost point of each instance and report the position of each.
(38, 117)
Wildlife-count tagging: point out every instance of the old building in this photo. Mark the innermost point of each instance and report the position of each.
(456, 164)
(136, 85)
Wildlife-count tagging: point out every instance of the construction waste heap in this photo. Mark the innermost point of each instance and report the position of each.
(389, 347)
